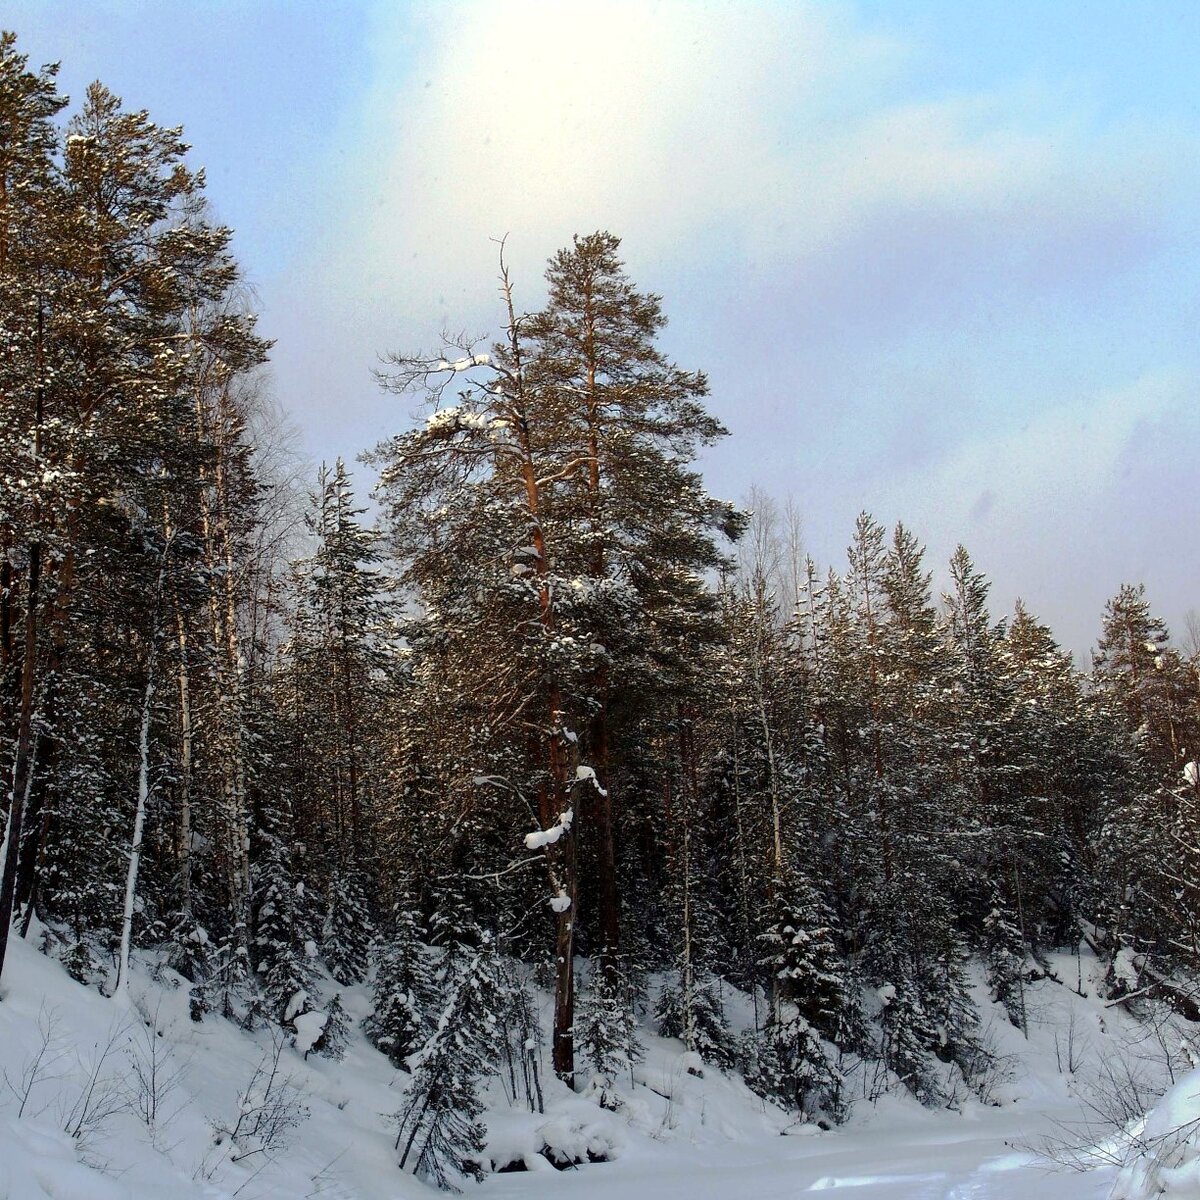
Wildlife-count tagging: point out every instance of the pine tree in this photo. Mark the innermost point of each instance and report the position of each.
(124, 257)
(627, 423)
(404, 990)
(557, 540)
(30, 199)
(607, 1035)
(347, 932)
(498, 659)
(438, 1127)
(282, 947)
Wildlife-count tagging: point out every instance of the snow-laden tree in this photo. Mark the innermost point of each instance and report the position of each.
(549, 522)
(348, 929)
(607, 1034)
(30, 201)
(439, 1131)
(125, 256)
(282, 947)
(1143, 686)
(627, 425)
(405, 990)
(800, 951)
(1146, 681)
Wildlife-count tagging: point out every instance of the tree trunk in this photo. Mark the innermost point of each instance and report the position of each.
(143, 793)
(39, 810)
(610, 908)
(139, 823)
(23, 766)
(563, 1054)
(554, 797)
(183, 844)
(8, 584)
(610, 905)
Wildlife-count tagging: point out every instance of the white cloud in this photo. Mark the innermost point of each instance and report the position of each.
(778, 127)
(1063, 456)
(1059, 508)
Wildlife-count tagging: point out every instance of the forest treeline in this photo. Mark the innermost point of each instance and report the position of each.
(560, 716)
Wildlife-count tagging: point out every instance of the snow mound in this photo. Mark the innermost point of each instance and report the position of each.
(1167, 1147)
(575, 1132)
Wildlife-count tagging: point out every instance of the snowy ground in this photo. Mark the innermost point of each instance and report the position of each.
(938, 1157)
(678, 1135)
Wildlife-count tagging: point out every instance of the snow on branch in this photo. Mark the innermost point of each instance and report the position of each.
(547, 837)
(586, 773)
(446, 421)
(464, 364)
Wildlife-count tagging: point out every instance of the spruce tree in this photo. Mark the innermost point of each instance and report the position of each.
(800, 951)
(334, 678)
(348, 931)
(404, 990)
(282, 946)
(439, 1131)
(607, 1034)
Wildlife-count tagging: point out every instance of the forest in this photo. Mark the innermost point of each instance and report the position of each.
(518, 709)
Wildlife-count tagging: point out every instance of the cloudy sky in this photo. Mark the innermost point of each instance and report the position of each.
(939, 259)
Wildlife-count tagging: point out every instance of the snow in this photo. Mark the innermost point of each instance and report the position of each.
(342, 1150)
(446, 421)
(587, 774)
(1163, 1151)
(547, 837)
(464, 364)
(579, 1132)
(1125, 968)
(1191, 773)
(676, 1133)
(705, 1137)
(559, 902)
(309, 1026)
(295, 1006)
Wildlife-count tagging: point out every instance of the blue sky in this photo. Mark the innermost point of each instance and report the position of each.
(939, 259)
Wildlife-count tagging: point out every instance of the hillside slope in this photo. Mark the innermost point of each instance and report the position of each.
(76, 1123)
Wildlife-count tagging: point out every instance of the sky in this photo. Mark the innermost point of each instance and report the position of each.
(940, 260)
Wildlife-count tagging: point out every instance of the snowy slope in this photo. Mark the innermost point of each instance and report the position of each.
(75, 1134)
(341, 1150)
